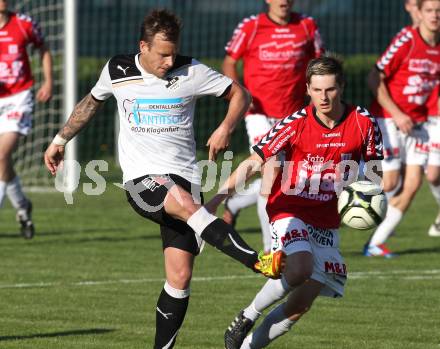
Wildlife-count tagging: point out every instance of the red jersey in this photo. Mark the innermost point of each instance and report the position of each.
(275, 58)
(412, 70)
(306, 187)
(15, 70)
(433, 102)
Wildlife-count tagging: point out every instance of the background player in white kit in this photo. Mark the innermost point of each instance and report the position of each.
(275, 48)
(302, 206)
(16, 101)
(156, 91)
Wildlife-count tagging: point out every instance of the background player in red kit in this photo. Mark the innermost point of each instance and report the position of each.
(275, 48)
(432, 170)
(302, 206)
(16, 101)
(404, 79)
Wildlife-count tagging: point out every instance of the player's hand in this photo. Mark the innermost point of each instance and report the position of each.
(403, 123)
(53, 157)
(45, 92)
(218, 141)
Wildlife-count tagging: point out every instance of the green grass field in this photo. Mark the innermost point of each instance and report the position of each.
(91, 276)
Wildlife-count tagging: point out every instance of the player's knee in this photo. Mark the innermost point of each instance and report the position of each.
(297, 275)
(390, 184)
(180, 279)
(180, 203)
(189, 205)
(433, 178)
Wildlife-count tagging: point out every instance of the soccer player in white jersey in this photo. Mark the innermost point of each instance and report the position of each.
(156, 91)
(275, 47)
(17, 32)
(319, 142)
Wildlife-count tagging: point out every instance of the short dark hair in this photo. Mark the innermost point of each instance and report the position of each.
(326, 65)
(160, 21)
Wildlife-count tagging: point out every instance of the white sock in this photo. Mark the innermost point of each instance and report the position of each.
(176, 293)
(273, 326)
(200, 219)
(264, 221)
(270, 293)
(435, 190)
(247, 198)
(2, 192)
(15, 194)
(384, 230)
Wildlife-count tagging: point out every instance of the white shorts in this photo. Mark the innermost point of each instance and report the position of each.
(257, 125)
(401, 148)
(433, 126)
(16, 113)
(292, 235)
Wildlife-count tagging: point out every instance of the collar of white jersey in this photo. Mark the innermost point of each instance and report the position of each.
(144, 73)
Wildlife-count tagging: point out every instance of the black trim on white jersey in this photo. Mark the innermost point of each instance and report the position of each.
(123, 68)
(97, 99)
(226, 91)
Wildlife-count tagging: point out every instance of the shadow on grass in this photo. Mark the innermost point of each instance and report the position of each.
(249, 230)
(63, 232)
(91, 331)
(418, 251)
(411, 251)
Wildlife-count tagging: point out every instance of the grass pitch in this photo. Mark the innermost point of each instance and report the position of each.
(91, 276)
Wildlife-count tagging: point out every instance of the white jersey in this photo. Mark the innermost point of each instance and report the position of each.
(156, 115)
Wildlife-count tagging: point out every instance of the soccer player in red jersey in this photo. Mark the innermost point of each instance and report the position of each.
(432, 170)
(323, 144)
(433, 164)
(17, 31)
(403, 80)
(275, 48)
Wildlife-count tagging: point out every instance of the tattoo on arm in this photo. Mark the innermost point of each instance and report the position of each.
(81, 115)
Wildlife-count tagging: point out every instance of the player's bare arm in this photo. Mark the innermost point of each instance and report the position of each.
(229, 68)
(80, 117)
(237, 179)
(239, 100)
(376, 83)
(45, 92)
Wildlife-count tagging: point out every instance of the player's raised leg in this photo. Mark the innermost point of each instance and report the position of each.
(181, 205)
(155, 196)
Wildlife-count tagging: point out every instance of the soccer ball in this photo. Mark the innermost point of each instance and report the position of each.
(362, 205)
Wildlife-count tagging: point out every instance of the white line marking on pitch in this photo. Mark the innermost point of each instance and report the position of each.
(433, 274)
